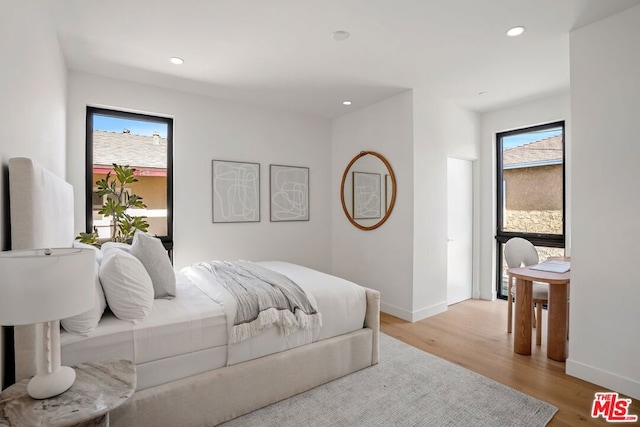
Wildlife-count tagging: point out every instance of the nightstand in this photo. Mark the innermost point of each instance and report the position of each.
(99, 388)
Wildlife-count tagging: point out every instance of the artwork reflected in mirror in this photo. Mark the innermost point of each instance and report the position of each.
(388, 188)
(368, 190)
(367, 203)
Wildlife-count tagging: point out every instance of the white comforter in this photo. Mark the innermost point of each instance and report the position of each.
(342, 304)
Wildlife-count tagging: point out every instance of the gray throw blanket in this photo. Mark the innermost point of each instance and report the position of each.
(264, 298)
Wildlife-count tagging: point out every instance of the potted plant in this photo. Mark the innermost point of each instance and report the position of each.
(116, 204)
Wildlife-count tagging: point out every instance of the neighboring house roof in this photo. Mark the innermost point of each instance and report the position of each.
(139, 151)
(545, 152)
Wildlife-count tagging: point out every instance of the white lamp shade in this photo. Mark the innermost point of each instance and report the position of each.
(36, 287)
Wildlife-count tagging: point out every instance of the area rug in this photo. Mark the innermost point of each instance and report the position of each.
(407, 388)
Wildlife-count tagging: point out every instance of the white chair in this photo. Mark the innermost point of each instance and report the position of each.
(520, 252)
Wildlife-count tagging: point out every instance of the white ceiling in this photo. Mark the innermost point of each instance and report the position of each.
(279, 53)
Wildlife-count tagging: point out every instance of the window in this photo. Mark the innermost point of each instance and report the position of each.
(530, 190)
(144, 143)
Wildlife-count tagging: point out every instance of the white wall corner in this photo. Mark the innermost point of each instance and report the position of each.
(604, 378)
(432, 310)
(364, 257)
(415, 315)
(396, 311)
(489, 296)
(604, 69)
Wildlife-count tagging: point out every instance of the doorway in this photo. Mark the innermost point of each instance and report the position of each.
(459, 230)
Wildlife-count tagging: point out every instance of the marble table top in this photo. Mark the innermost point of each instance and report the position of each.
(99, 388)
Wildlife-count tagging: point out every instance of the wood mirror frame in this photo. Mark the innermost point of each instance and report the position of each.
(393, 191)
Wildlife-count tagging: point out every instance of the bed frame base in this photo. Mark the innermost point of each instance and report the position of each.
(217, 396)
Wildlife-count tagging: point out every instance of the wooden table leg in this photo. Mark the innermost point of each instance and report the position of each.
(522, 330)
(557, 324)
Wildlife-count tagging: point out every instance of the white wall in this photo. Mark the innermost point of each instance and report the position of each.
(462, 134)
(406, 258)
(382, 258)
(32, 94)
(605, 293)
(204, 129)
(545, 110)
(441, 130)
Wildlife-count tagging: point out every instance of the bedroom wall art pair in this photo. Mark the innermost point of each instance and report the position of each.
(236, 192)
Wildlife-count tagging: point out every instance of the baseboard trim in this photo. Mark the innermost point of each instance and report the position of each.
(395, 311)
(489, 296)
(413, 316)
(603, 378)
(432, 310)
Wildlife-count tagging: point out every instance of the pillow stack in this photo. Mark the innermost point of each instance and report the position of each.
(85, 323)
(132, 276)
(152, 254)
(127, 285)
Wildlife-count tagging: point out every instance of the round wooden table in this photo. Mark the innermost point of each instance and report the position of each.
(558, 313)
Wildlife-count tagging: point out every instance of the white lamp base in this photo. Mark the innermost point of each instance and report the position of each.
(43, 386)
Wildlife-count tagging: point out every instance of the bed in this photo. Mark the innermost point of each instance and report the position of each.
(189, 373)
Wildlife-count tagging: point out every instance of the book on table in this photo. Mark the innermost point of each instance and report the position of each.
(554, 266)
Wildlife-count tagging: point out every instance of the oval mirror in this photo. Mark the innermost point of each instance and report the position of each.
(368, 190)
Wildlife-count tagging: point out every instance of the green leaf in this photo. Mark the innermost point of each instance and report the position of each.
(140, 222)
(119, 209)
(135, 201)
(111, 207)
(89, 238)
(125, 174)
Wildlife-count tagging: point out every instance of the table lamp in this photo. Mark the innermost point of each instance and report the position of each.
(44, 286)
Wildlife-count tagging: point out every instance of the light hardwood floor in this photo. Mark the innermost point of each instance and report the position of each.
(473, 334)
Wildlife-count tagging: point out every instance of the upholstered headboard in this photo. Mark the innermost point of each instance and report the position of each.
(41, 206)
(41, 215)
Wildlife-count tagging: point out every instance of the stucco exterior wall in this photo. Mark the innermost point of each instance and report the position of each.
(548, 221)
(534, 199)
(534, 188)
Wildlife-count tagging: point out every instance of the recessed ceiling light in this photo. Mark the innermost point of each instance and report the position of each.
(176, 60)
(340, 35)
(515, 31)
(346, 102)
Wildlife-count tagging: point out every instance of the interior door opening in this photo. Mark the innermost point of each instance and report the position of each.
(459, 230)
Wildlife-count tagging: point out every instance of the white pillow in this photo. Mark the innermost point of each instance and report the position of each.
(107, 246)
(152, 254)
(127, 285)
(80, 245)
(85, 323)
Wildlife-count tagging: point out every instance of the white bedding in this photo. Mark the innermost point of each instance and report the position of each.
(188, 334)
(342, 304)
(190, 324)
